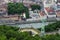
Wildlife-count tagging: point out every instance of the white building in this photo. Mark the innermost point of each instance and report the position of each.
(48, 3)
(42, 15)
(25, 2)
(58, 4)
(49, 8)
(34, 14)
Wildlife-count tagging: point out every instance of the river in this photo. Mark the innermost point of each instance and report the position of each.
(34, 25)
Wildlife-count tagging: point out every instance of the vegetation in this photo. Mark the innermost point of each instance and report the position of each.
(34, 7)
(51, 37)
(12, 33)
(17, 8)
(52, 27)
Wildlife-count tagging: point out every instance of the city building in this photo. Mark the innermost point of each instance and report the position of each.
(49, 8)
(58, 13)
(25, 2)
(10, 17)
(30, 2)
(58, 4)
(58, 9)
(43, 15)
(3, 10)
(34, 14)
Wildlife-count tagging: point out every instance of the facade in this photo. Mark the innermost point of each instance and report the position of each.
(34, 14)
(30, 2)
(49, 8)
(25, 2)
(58, 13)
(3, 10)
(58, 8)
(42, 15)
(10, 17)
(58, 5)
(48, 3)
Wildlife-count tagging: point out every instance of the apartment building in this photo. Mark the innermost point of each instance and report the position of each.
(43, 16)
(25, 2)
(49, 8)
(58, 4)
(11, 17)
(58, 9)
(3, 10)
(48, 3)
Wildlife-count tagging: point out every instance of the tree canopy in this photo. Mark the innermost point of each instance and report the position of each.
(13, 33)
(35, 6)
(52, 27)
(17, 8)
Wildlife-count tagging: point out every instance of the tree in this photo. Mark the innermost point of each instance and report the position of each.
(17, 8)
(36, 7)
(52, 27)
(3, 37)
(12, 33)
(12, 39)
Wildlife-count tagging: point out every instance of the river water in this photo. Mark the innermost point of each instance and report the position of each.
(34, 25)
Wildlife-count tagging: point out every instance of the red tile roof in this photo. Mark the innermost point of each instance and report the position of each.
(42, 13)
(49, 9)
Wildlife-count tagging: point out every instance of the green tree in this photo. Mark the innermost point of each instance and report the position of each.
(3, 37)
(17, 8)
(36, 7)
(12, 39)
(12, 33)
(52, 27)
